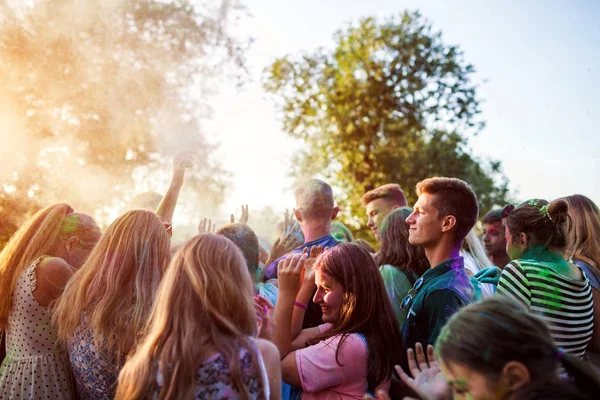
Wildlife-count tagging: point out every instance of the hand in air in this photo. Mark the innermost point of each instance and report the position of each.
(427, 378)
(289, 273)
(182, 161)
(309, 271)
(283, 246)
(206, 226)
(243, 219)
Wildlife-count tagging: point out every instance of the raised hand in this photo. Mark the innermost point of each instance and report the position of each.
(308, 275)
(243, 219)
(182, 161)
(206, 226)
(265, 318)
(427, 378)
(282, 246)
(289, 273)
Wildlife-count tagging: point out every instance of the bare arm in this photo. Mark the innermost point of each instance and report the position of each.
(52, 275)
(166, 208)
(289, 370)
(271, 358)
(289, 271)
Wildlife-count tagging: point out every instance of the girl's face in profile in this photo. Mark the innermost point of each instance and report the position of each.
(329, 296)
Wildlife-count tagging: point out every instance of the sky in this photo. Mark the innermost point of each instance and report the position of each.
(538, 63)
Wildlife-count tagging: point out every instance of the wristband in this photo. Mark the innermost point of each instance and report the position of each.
(302, 306)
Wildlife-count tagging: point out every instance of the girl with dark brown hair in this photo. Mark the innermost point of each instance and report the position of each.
(399, 262)
(354, 351)
(496, 349)
(540, 277)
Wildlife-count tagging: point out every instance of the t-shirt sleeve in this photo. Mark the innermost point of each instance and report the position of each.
(514, 283)
(317, 365)
(441, 305)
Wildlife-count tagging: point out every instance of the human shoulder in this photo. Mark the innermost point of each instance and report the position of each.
(267, 349)
(442, 297)
(54, 269)
(51, 276)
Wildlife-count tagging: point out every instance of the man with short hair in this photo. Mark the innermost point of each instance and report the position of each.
(443, 216)
(314, 211)
(380, 202)
(493, 238)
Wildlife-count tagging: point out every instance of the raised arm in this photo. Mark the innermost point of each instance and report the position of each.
(166, 208)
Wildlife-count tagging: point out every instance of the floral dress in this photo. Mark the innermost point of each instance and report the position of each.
(95, 371)
(213, 379)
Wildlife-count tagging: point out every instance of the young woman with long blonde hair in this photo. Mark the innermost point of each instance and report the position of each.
(107, 302)
(198, 343)
(35, 266)
(584, 250)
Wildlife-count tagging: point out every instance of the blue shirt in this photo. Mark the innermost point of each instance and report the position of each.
(325, 241)
(445, 289)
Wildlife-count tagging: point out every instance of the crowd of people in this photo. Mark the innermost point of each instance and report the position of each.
(443, 307)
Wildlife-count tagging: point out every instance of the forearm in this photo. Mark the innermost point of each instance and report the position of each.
(166, 208)
(303, 297)
(283, 323)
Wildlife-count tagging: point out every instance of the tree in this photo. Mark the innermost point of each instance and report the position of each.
(93, 92)
(390, 103)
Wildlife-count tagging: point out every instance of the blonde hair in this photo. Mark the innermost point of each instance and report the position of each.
(204, 304)
(475, 248)
(115, 287)
(584, 231)
(38, 236)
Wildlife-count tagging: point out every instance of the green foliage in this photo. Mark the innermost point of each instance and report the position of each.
(93, 92)
(390, 103)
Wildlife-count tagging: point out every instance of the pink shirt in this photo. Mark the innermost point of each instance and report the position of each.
(321, 376)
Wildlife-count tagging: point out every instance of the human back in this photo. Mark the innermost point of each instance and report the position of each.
(541, 278)
(33, 273)
(107, 302)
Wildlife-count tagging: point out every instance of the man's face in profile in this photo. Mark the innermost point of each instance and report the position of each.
(377, 210)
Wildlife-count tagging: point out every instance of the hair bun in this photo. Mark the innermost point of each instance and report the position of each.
(558, 211)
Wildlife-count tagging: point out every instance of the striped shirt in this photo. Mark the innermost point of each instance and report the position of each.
(564, 303)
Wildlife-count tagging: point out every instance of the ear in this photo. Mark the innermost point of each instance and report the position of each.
(448, 222)
(515, 374)
(335, 212)
(72, 242)
(298, 215)
(395, 206)
(523, 240)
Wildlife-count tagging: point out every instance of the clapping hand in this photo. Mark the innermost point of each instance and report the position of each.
(427, 378)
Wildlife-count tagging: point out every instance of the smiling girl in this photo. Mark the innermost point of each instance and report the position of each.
(354, 351)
